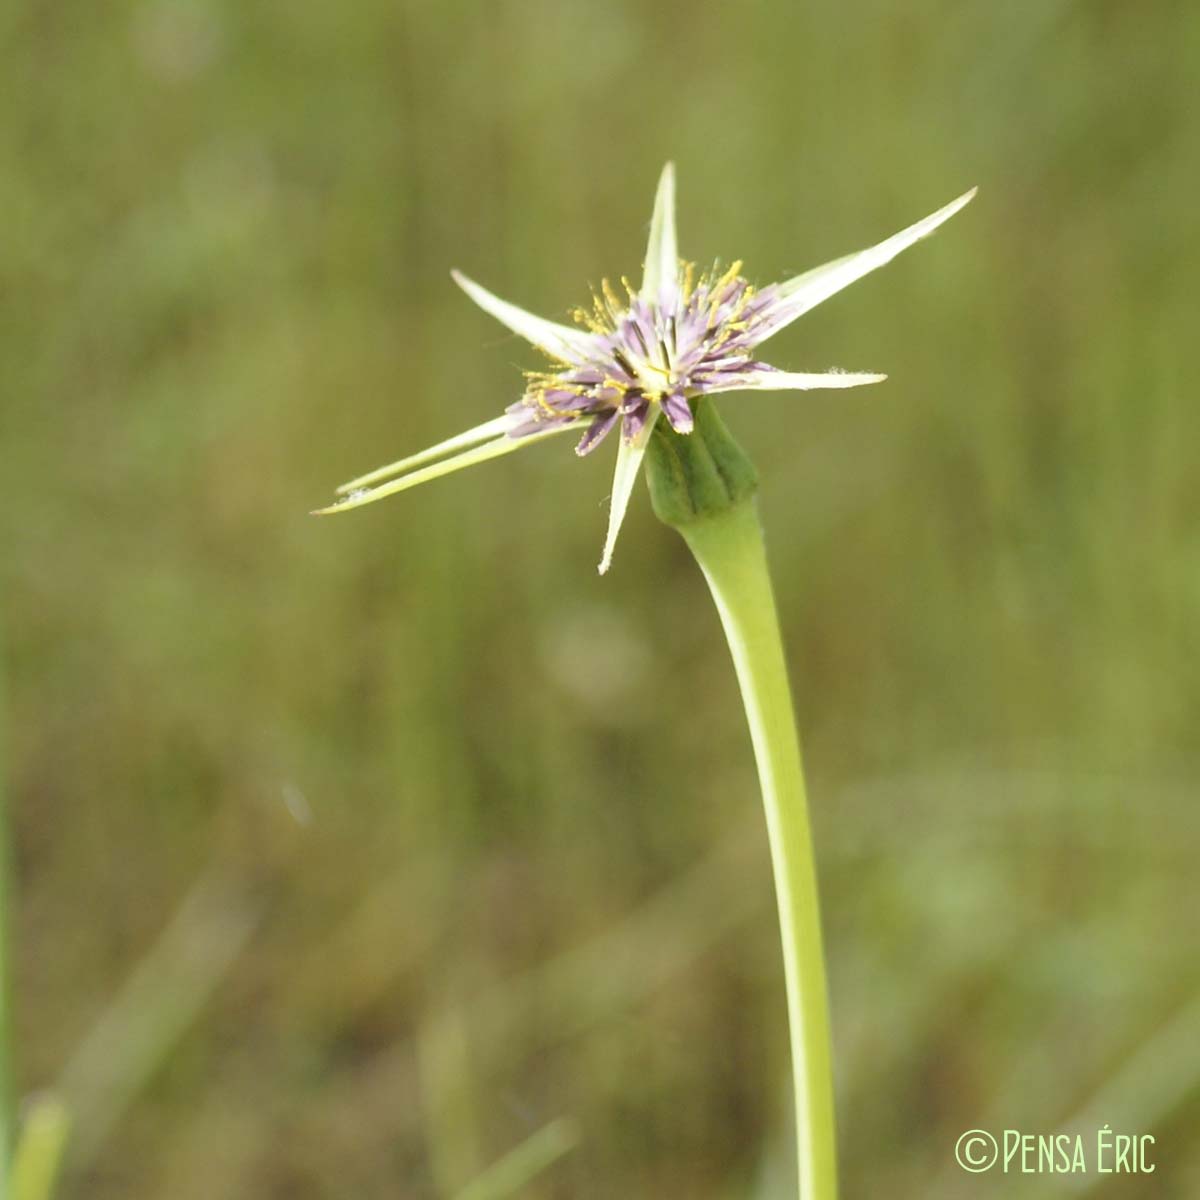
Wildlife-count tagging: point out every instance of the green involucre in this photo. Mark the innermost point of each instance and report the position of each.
(700, 474)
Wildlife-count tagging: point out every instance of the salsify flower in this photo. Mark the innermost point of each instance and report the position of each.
(647, 354)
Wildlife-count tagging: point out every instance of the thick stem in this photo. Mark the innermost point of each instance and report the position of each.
(704, 486)
(729, 548)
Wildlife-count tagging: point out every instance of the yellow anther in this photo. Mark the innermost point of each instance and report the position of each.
(740, 307)
(601, 314)
(689, 280)
(538, 396)
(585, 318)
(728, 277)
(614, 304)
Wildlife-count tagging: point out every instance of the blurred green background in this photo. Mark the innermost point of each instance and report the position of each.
(351, 854)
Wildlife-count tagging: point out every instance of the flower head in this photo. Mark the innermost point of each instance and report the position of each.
(646, 353)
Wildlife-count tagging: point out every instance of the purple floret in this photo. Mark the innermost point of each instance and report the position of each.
(698, 339)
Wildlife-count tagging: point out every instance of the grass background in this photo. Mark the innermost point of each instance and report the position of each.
(349, 854)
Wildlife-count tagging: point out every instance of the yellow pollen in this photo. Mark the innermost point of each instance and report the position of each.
(733, 324)
(718, 287)
(743, 300)
(614, 304)
(539, 398)
(585, 318)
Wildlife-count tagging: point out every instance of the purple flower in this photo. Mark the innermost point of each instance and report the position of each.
(647, 353)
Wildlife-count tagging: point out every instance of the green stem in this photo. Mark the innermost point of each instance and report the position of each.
(704, 486)
(6, 1113)
(730, 551)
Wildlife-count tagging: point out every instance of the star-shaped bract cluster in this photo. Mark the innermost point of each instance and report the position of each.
(649, 353)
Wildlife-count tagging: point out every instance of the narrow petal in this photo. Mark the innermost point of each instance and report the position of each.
(660, 279)
(767, 379)
(634, 416)
(629, 460)
(797, 296)
(463, 441)
(469, 458)
(597, 432)
(560, 341)
(678, 412)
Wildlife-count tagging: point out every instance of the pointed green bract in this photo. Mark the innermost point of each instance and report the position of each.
(493, 449)
(804, 292)
(629, 460)
(661, 275)
(463, 441)
(796, 381)
(560, 341)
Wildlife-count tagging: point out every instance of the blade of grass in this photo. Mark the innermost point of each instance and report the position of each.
(447, 1098)
(524, 1163)
(40, 1148)
(5, 887)
(162, 997)
(1145, 1091)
